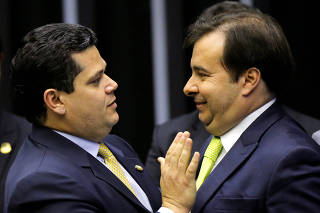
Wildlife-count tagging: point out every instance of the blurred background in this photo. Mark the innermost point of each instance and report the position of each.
(141, 40)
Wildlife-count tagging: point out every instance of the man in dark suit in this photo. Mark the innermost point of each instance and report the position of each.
(13, 130)
(262, 160)
(257, 159)
(164, 134)
(70, 162)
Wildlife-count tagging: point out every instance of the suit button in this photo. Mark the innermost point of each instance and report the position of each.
(5, 148)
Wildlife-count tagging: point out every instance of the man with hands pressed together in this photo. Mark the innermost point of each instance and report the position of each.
(70, 162)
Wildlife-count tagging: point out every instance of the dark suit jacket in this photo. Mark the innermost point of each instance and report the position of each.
(13, 130)
(164, 134)
(310, 124)
(273, 167)
(51, 174)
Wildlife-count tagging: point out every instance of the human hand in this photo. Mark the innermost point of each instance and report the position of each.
(177, 182)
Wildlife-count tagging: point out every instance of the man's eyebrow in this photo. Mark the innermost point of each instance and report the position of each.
(95, 76)
(198, 68)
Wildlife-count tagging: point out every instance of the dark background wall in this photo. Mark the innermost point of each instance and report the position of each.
(124, 31)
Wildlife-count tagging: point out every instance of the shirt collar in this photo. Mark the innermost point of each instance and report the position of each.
(89, 146)
(231, 137)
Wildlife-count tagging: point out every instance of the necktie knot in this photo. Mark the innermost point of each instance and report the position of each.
(210, 156)
(105, 152)
(214, 148)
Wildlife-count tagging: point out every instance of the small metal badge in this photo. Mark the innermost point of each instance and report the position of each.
(5, 148)
(139, 168)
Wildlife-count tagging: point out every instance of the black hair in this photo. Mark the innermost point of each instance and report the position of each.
(44, 61)
(252, 39)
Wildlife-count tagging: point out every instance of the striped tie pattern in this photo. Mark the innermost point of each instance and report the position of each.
(210, 156)
(113, 165)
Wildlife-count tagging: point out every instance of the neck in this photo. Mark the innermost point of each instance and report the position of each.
(62, 125)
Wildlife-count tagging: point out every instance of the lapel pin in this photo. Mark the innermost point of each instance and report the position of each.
(139, 168)
(5, 148)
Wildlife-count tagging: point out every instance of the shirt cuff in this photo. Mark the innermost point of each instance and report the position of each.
(164, 210)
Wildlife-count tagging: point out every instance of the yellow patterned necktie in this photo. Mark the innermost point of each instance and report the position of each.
(113, 165)
(210, 156)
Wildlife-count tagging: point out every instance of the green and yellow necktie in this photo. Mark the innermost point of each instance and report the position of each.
(210, 156)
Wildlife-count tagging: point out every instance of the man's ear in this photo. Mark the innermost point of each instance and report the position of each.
(252, 78)
(53, 101)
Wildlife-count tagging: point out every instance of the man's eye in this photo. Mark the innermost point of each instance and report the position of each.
(96, 81)
(201, 74)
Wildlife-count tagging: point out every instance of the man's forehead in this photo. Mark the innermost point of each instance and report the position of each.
(89, 57)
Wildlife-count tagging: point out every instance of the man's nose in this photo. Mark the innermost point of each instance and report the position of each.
(191, 88)
(111, 86)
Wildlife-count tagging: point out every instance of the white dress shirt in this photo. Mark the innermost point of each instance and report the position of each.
(231, 137)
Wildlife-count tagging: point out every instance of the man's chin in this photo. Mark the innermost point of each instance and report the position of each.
(207, 123)
(112, 121)
(204, 119)
(116, 120)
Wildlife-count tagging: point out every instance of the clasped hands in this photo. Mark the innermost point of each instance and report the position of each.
(178, 184)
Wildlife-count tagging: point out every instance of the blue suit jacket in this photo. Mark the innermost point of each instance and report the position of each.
(51, 174)
(273, 167)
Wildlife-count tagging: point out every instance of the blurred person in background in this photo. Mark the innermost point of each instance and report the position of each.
(13, 130)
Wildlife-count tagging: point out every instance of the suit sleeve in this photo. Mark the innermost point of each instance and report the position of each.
(51, 193)
(295, 183)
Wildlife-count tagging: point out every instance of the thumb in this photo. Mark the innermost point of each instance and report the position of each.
(161, 160)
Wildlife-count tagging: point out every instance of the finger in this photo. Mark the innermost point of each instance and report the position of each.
(161, 160)
(186, 134)
(172, 147)
(174, 143)
(193, 166)
(185, 155)
(173, 156)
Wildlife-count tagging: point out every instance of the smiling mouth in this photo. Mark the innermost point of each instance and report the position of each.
(200, 104)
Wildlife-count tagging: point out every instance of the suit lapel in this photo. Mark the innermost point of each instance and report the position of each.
(128, 161)
(140, 177)
(104, 174)
(80, 157)
(238, 154)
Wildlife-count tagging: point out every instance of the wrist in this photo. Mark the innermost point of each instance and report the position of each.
(175, 207)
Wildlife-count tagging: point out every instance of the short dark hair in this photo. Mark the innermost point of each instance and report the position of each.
(226, 7)
(253, 39)
(211, 13)
(44, 61)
